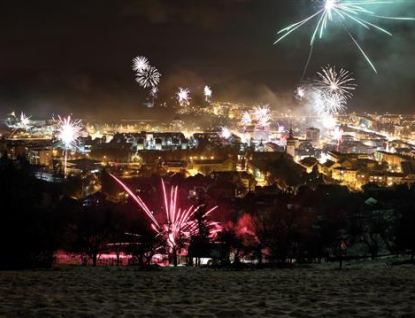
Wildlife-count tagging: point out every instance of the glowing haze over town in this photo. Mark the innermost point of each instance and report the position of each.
(183, 152)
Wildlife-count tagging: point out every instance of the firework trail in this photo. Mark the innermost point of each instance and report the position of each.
(341, 12)
(179, 222)
(207, 91)
(67, 132)
(183, 96)
(148, 77)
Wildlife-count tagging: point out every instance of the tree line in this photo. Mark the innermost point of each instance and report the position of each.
(323, 222)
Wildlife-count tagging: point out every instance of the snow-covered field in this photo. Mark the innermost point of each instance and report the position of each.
(196, 292)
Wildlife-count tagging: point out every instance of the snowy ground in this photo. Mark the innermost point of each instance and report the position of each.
(102, 292)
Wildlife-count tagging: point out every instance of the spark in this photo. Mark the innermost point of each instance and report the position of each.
(183, 96)
(336, 82)
(140, 63)
(225, 133)
(340, 12)
(207, 91)
(148, 77)
(262, 117)
(180, 222)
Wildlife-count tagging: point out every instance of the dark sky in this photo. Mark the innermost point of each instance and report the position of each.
(74, 56)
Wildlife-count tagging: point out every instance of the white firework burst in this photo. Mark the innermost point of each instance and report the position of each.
(183, 96)
(262, 117)
(207, 91)
(325, 103)
(225, 133)
(140, 63)
(336, 82)
(149, 77)
(67, 132)
(246, 119)
(24, 120)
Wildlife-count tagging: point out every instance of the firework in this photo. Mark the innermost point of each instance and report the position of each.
(338, 136)
(300, 92)
(328, 121)
(140, 63)
(183, 96)
(324, 103)
(262, 117)
(148, 77)
(24, 121)
(225, 133)
(179, 223)
(153, 93)
(246, 119)
(67, 132)
(340, 12)
(207, 91)
(336, 82)
(328, 95)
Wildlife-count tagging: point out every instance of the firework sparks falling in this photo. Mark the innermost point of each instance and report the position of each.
(262, 117)
(207, 91)
(340, 12)
(183, 96)
(148, 77)
(336, 82)
(140, 63)
(180, 223)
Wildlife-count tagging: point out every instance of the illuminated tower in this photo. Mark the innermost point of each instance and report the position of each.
(291, 144)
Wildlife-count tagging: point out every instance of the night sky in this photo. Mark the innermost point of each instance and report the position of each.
(74, 56)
